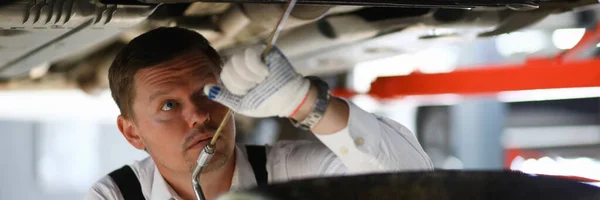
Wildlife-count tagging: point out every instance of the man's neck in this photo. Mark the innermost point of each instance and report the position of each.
(213, 183)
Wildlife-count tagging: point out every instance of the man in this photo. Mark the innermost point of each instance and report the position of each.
(173, 92)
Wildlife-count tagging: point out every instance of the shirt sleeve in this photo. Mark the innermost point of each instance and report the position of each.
(104, 189)
(372, 143)
(290, 160)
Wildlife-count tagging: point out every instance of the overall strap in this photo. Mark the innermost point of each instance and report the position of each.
(128, 183)
(257, 156)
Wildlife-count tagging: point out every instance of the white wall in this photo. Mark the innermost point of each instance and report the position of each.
(58, 159)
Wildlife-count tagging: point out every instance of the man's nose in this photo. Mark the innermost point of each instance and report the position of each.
(197, 117)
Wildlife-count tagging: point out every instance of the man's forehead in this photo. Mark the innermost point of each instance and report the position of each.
(198, 67)
(174, 73)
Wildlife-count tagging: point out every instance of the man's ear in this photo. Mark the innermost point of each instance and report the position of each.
(130, 132)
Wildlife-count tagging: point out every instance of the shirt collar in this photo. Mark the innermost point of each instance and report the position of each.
(243, 177)
(161, 190)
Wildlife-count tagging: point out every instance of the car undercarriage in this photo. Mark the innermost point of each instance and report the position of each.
(58, 44)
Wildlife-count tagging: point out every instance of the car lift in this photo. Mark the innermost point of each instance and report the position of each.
(570, 69)
(566, 70)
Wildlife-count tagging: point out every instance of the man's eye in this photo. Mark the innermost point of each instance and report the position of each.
(168, 105)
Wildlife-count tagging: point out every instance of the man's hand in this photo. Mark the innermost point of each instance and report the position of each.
(256, 89)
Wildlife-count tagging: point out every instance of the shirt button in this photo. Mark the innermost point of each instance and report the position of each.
(343, 150)
(359, 141)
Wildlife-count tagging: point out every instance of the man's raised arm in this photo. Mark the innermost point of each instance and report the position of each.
(363, 141)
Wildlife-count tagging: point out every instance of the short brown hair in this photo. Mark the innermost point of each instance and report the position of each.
(150, 49)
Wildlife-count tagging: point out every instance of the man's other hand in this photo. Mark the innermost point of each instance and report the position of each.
(256, 89)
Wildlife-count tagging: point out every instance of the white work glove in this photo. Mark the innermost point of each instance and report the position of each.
(256, 89)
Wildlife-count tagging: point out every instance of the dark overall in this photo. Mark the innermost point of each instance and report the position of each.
(131, 189)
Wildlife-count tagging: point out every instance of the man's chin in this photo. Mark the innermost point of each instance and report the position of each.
(217, 162)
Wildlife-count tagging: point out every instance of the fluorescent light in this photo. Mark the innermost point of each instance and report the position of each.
(508, 97)
(521, 42)
(437, 99)
(57, 105)
(437, 60)
(549, 94)
(366, 72)
(567, 38)
(582, 166)
(540, 137)
(434, 60)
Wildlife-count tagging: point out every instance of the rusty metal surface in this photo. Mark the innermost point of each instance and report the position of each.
(34, 32)
(394, 3)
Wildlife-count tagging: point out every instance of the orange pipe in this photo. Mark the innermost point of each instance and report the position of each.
(557, 72)
(534, 74)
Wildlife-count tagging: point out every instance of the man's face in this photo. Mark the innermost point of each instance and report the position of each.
(174, 118)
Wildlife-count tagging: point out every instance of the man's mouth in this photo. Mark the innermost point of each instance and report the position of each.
(203, 142)
(199, 142)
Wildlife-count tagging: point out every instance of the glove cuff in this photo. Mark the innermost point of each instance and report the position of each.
(300, 105)
(298, 95)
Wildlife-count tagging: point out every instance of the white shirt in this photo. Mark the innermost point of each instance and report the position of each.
(369, 143)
